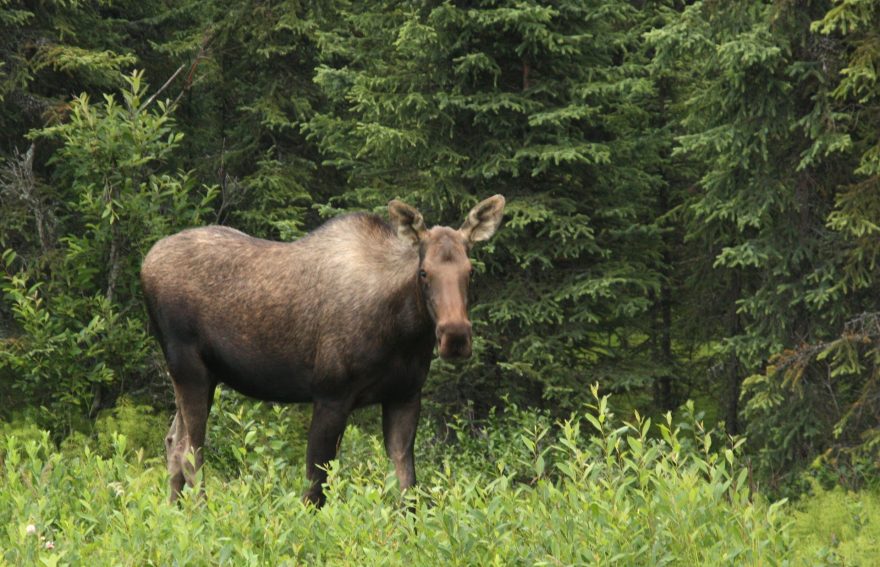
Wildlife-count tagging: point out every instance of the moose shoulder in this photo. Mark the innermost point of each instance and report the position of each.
(345, 317)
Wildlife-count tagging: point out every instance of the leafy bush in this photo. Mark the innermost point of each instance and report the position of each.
(22, 429)
(76, 304)
(142, 428)
(244, 435)
(587, 490)
(840, 526)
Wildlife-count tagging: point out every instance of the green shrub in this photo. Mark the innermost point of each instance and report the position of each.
(22, 429)
(840, 526)
(142, 428)
(588, 490)
(511, 442)
(244, 435)
(79, 324)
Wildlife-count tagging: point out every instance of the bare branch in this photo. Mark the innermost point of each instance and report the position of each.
(18, 182)
(165, 86)
(189, 76)
(232, 193)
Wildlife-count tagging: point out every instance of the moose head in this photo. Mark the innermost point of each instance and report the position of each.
(444, 268)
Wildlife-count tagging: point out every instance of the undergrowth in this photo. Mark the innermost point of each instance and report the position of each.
(515, 489)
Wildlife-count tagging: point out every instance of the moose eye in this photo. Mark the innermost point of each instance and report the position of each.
(423, 274)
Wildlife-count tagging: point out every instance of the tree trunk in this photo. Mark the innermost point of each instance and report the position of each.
(734, 368)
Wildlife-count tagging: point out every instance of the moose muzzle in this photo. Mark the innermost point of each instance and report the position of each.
(454, 340)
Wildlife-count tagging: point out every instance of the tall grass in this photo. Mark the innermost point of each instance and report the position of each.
(518, 490)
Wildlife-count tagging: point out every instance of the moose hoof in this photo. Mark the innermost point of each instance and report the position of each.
(314, 498)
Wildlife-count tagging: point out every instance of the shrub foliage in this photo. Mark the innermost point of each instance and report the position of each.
(590, 489)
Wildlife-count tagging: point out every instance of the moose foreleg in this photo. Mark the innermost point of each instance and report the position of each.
(325, 435)
(399, 422)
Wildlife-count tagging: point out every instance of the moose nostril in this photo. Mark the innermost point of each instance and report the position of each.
(455, 347)
(457, 328)
(456, 341)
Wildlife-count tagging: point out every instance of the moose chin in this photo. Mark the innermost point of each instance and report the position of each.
(344, 317)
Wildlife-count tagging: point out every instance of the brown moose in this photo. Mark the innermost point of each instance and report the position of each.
(345, 317)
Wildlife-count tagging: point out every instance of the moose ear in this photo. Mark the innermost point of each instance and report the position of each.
(408, 221)
(483, 220)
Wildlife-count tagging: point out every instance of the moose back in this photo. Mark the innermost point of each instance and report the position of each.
(347, 316)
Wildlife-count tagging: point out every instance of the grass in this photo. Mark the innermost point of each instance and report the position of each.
(517, 490)
(840, 527)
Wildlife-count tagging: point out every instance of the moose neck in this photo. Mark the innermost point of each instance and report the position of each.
(395, 283)
(372, 271)
(407, 304)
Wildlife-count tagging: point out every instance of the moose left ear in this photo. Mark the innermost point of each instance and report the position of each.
(483, 220)
(408, 221)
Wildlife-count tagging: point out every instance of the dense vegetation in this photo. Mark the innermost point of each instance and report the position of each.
(693, 213)
(592, 489)
(548, 495)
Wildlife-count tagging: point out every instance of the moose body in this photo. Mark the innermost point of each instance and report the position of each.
(345, 317)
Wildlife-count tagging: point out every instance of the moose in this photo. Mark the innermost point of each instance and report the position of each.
(345, 317)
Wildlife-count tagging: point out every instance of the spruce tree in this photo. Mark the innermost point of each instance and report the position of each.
(772, 150)
(443, 104)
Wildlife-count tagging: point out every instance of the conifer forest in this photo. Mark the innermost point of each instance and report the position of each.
(676, 327)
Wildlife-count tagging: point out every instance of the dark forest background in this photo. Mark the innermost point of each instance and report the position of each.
(693, 194)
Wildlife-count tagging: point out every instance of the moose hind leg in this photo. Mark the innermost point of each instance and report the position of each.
(175, 447)
(194, 403)
(194, 392)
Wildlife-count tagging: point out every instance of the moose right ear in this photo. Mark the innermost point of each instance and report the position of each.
(483, 220)
(407, 220)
